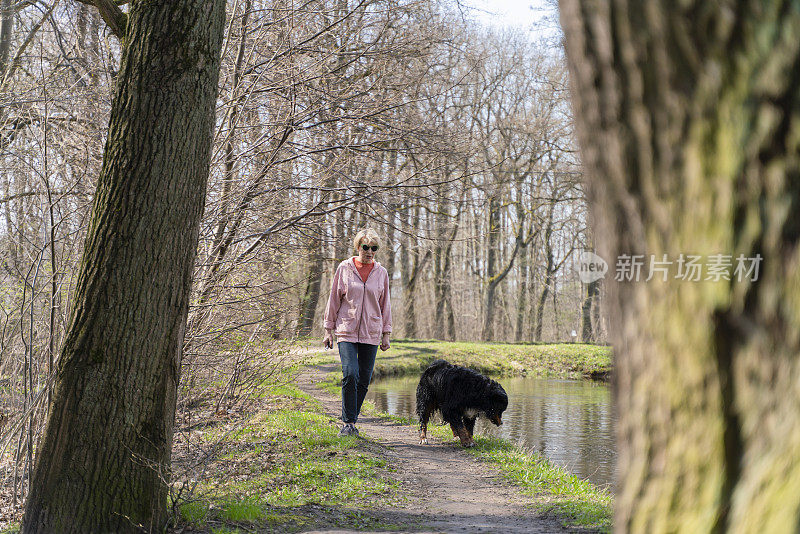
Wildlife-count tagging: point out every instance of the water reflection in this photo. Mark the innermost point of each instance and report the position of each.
(569, 421)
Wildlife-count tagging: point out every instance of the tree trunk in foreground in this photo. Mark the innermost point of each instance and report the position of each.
(103, 465)
(688, 117)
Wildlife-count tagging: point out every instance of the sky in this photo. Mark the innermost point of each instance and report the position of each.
(524, 14)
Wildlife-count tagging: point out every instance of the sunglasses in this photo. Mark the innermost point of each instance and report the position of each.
(367, 247)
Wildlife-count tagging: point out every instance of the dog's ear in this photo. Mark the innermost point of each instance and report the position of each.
(499, 395)
(498, 390)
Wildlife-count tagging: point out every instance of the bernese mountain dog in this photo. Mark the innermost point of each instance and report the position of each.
(460, 395)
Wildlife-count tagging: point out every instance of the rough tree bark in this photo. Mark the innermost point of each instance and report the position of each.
(494, 274)
(6, 33)
(589, 304)
(104, 461)
(688, 116)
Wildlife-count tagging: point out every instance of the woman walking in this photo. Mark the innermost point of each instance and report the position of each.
(359, 313)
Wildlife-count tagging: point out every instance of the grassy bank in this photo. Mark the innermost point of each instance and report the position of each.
(566, 360)
(552, 489)
(284, 469)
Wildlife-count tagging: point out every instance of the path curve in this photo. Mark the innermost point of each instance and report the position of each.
(451, 490)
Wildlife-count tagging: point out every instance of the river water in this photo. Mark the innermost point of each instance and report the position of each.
(568, 421)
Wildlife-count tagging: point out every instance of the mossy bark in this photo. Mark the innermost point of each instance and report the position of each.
(104, 461)
(688, 116)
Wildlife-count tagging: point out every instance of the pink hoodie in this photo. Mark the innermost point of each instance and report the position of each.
(359, 311)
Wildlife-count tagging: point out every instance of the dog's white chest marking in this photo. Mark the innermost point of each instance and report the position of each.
(471, 412)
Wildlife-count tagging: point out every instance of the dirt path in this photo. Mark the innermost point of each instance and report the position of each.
(451, 491)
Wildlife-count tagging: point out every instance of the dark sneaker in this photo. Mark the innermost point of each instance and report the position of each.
(355, 430)
(348, 430)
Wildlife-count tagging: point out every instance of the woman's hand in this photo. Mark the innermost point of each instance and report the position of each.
(327, 340)
(385, 342)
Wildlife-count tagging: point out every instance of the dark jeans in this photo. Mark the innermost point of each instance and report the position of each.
(358, 360)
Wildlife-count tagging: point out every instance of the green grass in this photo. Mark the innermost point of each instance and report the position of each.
(552, 489)
(332, 384)
(566, 360)
(312, 464)
(193, 512)
(575, 501)
(283, 466)
(248, 510)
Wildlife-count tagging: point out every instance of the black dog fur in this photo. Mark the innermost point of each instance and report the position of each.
(460, 395)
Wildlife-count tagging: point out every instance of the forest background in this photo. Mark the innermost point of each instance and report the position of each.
(451, 138)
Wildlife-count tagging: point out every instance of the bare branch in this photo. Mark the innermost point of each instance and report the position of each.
(116, 19)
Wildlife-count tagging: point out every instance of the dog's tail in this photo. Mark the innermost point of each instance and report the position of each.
(425, 388)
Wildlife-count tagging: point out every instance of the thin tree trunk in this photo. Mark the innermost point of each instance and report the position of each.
(391, 256)
(226, 199)
(405, 276)
(11, 267)
(537, 333)
(414, 265)
(596, 318)
(548, 276)
(342, 243)
(21, 185)
(104, 462)
(556, 320)
(592, 291)
(447, 294)
(496, 276)
(6, 32)
(391, 259)
(492, 250)
(522, 296)
(88, 45)
(442, 260)
(451, 320)
(589, 303)
(688, 116)
(313, 284)
(438, 290)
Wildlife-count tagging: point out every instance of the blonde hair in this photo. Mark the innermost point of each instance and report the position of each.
(366, 234)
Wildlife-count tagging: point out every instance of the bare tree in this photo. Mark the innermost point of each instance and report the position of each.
(105, 456)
